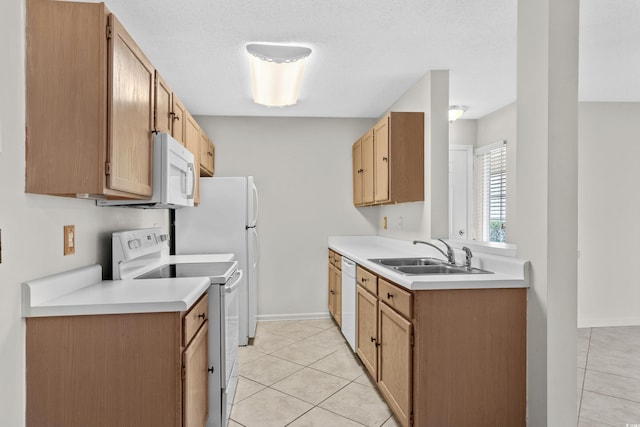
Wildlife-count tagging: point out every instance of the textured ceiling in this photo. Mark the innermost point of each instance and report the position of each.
(367, 53)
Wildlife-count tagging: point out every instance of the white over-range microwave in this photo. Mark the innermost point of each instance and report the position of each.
(174, 177)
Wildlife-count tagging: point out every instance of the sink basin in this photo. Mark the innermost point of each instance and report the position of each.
(421, 266)
(438, 269)
(397, 262)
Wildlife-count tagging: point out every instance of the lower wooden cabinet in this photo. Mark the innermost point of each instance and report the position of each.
(195, 390)
(367, 330)
(395, 357)
(445, 357)
(116, 370)
(335, 289)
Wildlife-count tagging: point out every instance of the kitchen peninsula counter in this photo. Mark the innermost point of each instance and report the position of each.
(508, 272)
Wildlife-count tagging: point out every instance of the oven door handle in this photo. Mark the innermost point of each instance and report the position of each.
(232, 287)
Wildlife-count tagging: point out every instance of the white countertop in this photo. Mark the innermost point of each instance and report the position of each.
(82, 292)
(508, 272)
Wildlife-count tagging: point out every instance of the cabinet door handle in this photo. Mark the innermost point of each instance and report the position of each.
(364, 279)
(389, 295)
(385, 159)
(210, 369)
(202, 315)
(373, 339)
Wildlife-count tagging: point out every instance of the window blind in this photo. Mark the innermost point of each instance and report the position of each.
(493, 176)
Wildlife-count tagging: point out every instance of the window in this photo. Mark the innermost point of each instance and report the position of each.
(492, 218)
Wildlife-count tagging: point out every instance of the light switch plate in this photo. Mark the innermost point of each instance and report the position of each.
(69, 239)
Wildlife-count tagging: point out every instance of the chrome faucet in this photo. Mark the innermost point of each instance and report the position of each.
(450, 255)
(467, 261)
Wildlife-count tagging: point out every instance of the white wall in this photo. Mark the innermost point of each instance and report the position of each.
(463, 132)
(302, 168)
(32, 225)
(608, 221)
(424, 220)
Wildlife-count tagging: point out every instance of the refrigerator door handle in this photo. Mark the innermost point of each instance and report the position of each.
(254, 190)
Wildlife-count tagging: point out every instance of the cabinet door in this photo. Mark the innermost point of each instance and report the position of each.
(206, 155)
(131, 105)
(366, 325)
(179, 116)
(381, 163)
(395, 358)
(356, 153)
(332, 287)
(338, 296)
(195, 392)
(164, 104)
(367, 168)
(192, 142)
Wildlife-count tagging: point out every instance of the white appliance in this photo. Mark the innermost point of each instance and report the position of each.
(225, 221)
(144, 254)
(349, 301)
(174, 177)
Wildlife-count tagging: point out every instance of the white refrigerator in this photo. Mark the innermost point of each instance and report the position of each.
(225, 222)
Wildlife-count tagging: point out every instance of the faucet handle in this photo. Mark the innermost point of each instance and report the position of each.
(468, 254)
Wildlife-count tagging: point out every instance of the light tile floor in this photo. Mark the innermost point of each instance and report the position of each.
(609, 377)
(304, 374)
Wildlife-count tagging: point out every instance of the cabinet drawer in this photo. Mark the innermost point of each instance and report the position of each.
(367, 280)
(194, 318)
(396, 298)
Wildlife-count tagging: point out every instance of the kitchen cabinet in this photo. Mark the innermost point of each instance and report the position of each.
(444, 357)
(388, 161)
(89, 104)
(335, 287)
(163, 117)
(367, 334)
(179, 117)
(192, 143)
(207, 156)
(363, 174)
(118, 370)
(356, 157)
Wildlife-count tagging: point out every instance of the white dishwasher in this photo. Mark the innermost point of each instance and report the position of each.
(349, 301)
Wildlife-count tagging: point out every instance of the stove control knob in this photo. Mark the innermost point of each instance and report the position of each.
(134, 243)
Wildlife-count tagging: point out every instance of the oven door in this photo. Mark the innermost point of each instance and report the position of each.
(231, 340)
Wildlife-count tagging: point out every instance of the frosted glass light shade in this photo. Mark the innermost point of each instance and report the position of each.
(276, 73)
(455, 112)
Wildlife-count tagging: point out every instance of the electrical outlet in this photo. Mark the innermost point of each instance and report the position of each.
(384, 222)
(69, 239)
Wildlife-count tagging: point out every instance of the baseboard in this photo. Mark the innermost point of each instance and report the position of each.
(604, 322)
(296, 316)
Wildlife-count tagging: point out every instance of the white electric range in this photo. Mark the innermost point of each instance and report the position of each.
(144, 254)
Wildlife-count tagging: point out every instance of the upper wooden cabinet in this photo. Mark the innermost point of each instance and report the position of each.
(207, 156)
(89, 104)
(179, 116)
(390, 167)
(163, 117)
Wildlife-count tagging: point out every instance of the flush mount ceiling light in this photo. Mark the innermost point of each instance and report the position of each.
(276, 72)
(455, 112)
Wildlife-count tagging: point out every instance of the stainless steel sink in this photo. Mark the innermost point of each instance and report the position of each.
(424, 266)
(399, 262)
